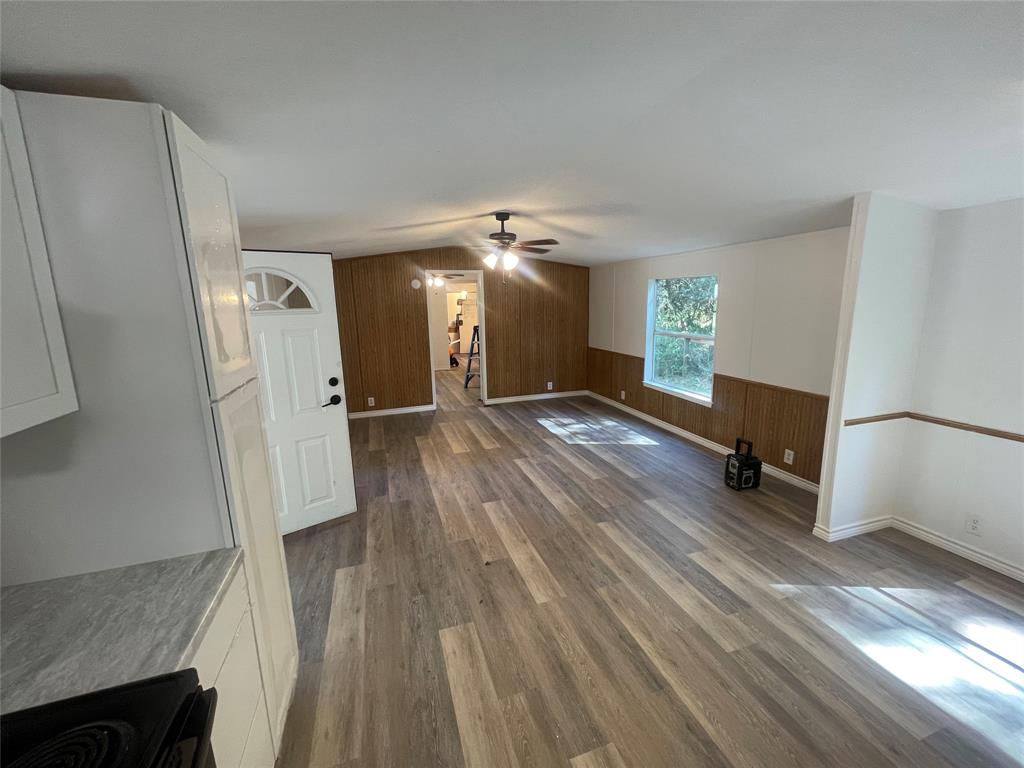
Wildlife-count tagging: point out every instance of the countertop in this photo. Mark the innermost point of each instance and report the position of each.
(76, 634)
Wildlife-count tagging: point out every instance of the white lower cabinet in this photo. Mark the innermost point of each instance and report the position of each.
(259, 748)
(227, 660)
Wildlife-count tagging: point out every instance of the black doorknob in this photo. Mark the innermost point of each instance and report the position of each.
(333, 381)
(335, 400)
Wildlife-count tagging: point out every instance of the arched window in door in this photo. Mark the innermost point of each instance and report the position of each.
(270, 290)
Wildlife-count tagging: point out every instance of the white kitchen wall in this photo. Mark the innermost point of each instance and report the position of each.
(937, 329)
(778, 305)
(134, 459)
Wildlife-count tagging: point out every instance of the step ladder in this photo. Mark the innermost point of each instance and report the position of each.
(474, 352)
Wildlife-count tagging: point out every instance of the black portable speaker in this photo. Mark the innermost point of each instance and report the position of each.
(742, 470)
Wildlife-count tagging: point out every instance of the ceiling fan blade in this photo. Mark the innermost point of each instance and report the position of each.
(546, 241)
(435, 222)
(531, 249)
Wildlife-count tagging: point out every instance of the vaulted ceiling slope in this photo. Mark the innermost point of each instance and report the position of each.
(622, 129)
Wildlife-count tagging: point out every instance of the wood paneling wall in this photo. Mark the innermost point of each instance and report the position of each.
(536, 326)
(772, 418)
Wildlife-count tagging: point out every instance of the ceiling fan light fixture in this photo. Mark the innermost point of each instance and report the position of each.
(438, 281)
(491, 260)
(430, 280)
(509, 261)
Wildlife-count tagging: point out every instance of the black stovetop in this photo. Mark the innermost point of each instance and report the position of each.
(137, 725)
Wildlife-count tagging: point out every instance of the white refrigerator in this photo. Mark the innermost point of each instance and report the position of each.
(167, 454)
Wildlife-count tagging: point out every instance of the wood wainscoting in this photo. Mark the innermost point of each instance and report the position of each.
(772, 418)
(535, 325)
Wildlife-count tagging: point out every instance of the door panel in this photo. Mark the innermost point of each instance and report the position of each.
(298, 352)
(304, 373)
(213, 247)
(315, 466)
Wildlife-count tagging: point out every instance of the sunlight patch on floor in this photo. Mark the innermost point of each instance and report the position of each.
(600, 432)
(962, 672)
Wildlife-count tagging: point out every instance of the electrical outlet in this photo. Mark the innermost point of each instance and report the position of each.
(622, 394)
(787, 457)
(973, 525)
(551, 385)
(369, 402)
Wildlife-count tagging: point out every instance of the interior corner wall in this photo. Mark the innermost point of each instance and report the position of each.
(970, 369)
(937, 332)
(892, 286)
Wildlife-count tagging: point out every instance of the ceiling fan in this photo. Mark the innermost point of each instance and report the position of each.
(506, 246)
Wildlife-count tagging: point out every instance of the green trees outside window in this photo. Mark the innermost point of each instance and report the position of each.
(682, 343)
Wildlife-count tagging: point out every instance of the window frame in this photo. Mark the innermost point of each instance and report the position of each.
(274, 306)
(652, 332)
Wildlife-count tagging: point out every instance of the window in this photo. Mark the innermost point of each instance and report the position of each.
(273, 292)
(681, 335)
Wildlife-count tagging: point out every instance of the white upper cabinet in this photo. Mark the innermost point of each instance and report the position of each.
(214, 252)
(35, 374)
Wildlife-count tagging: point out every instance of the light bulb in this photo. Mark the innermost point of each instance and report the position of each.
(438, 282)
(491, 260)
(509, 261)
(430, 280)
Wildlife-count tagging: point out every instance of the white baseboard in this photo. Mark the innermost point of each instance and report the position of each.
(788, 477)
(542, 396)
(393, 411)
(959, 548)
(925, 534)
(711, 445)
(853, 529)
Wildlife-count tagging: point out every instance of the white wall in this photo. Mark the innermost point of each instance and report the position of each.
(127, 478)
(778, 305)
(970, 368)
(970, 365)
(437, 317)
(938, 329)
(888, 312)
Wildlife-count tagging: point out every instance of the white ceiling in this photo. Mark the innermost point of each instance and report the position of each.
(623, 130)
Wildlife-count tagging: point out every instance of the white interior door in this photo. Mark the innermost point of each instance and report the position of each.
(294, 326)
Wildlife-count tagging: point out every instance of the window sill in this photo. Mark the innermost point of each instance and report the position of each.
(693, 398)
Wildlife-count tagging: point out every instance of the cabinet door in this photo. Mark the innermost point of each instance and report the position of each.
(215, 260)
(35, 374)
(238, 696)
(240, 430)
(259, 747)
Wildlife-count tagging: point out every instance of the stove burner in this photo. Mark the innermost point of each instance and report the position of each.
(102, 744)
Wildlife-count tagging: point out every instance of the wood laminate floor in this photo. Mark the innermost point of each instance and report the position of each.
(555, 583)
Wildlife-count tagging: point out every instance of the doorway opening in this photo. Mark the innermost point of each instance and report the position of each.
(455, 318)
